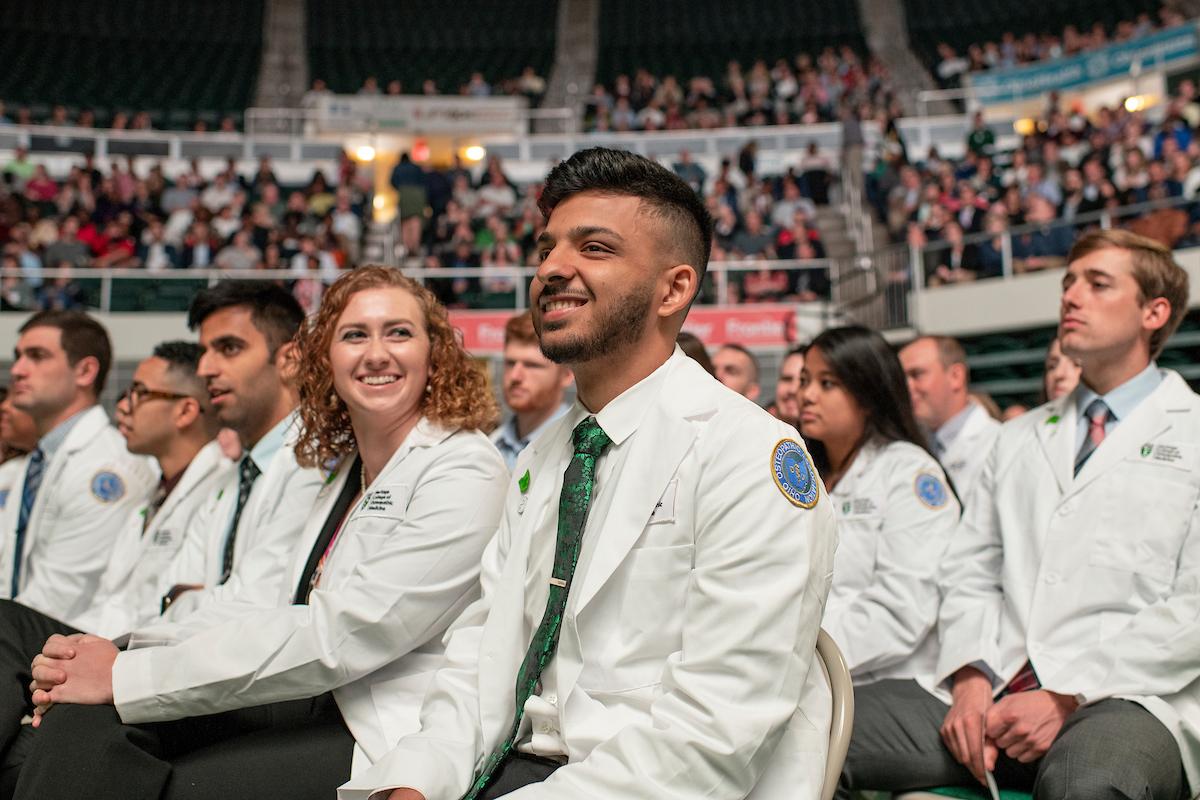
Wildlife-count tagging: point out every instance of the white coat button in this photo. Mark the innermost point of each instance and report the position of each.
(1051, 578)
(552, 699)
(1065, 509)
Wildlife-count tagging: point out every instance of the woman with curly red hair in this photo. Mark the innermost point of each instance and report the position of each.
(293, 696)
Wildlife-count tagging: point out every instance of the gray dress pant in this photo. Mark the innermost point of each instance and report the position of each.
(1111, 749)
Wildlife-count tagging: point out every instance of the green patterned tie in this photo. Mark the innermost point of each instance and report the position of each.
(589, 440)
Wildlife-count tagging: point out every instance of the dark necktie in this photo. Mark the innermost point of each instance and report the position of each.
(1096, 416)
(578, 482)
(247, 474)
(154, 506)
(33, 480)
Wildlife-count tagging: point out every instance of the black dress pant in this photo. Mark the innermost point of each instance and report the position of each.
(518, 770)
(299, 749)
(23, 632)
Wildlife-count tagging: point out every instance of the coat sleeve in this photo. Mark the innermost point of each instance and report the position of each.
(969, 577)
(402, 594)
(884, 624)
(751, 615)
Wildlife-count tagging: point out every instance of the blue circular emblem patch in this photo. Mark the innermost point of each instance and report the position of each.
(930, 490)
(794, 474)
(107, 487)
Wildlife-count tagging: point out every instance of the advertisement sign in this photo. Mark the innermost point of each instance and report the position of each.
(419, 115)
(1115, 61)
(753, 326)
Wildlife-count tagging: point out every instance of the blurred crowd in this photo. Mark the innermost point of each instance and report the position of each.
(1014, 50)
(803, 91)
(1067, 167)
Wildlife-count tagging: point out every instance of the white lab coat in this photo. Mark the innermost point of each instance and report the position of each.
(963, 459)
(405, 564)
(75, 521)
(883, 605)
(132, 586)
(685, 661)
(271, 524)
(1094, 578)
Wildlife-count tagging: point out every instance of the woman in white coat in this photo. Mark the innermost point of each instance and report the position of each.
(281, 702)
(896, 510)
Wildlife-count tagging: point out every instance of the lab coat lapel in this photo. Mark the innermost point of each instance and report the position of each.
(1055, 434)
(1148, 421)
(505, 637)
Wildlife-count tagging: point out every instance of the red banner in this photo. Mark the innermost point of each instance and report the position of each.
(754, 326)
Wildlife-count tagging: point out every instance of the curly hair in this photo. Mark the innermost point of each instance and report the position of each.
(457, 394)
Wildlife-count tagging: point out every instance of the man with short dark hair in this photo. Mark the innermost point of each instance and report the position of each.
(960, 431)
(79, 482)
(164, 414)
(737, 368)
(533, 389)
(652, 598)
(1069, 663)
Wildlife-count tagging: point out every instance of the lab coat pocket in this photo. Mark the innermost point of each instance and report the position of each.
(656, 580)
(1152, 571)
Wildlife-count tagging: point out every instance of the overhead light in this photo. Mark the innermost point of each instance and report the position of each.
(475, 153)
(1026, 126)
(364, 152)
(379, 202)
(1139, 102)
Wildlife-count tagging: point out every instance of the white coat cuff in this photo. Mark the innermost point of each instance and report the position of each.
(133, 685)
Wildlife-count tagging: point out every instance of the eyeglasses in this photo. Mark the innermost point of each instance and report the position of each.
(138, 393)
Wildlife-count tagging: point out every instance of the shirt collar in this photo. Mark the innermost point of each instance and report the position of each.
(1122, 400)
(952, 427)
(53, 440)
(508, 431)
(265, 449)
(624, 413)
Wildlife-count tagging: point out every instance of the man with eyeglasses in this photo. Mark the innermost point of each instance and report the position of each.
(164, 414)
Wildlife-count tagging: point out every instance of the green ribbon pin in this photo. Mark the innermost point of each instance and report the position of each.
(1052, 420)
(523, 483)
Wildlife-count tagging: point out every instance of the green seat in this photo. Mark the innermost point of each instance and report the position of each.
(964, 792)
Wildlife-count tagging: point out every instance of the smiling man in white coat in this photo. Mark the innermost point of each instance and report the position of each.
(960, 431)
(651, 602)
(79, 483)
(1069, 661)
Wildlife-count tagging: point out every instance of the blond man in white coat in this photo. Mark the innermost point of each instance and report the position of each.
(651, 601)
(79, 483)
(960, 431)
(1069, 659)
(282, 701)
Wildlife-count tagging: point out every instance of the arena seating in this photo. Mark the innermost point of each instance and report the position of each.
(410, 41)
(695, 37)
(961, 24)
(176, 60)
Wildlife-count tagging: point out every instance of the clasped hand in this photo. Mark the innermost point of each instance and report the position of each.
(1022, 725)
(72, 669)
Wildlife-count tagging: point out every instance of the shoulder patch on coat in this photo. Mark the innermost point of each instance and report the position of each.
(794, 474)
(108, 487)
(930, 490)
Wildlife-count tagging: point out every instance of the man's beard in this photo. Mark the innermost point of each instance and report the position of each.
(612, 331)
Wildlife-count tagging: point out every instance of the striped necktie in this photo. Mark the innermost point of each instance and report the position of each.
(1097, 416)
(33, 481)
(248, 473)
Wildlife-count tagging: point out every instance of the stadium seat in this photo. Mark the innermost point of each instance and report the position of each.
(837, 672)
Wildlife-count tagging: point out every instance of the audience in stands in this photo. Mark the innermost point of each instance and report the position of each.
(1013, 50)
(1047, 190)
(805, 90)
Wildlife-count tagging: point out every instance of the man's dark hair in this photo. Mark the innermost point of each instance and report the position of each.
(273, 310)
(666, 195)
(81, 337)
(183, 360)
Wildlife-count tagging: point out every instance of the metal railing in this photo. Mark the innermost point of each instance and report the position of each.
(920, 258)
(303, 122)
(137, 290)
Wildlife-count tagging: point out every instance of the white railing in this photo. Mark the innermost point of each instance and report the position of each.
(109, 283)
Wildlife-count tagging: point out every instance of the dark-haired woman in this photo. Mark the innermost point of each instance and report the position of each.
(897, 511)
